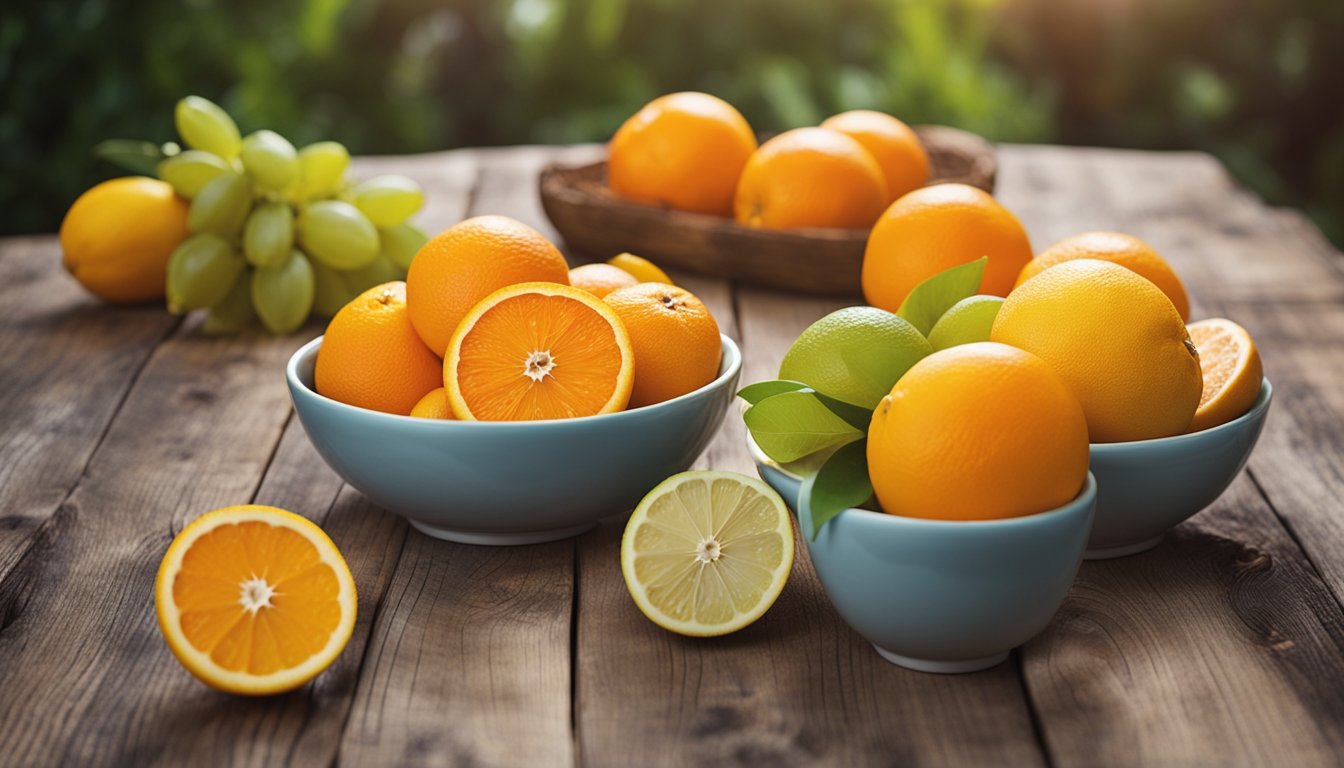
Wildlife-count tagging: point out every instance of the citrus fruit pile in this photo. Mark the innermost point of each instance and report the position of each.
(974, 384)
(245, 227)
(492, 325)
(694, 152)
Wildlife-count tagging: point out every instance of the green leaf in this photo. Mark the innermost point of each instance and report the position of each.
(140, 157)
(792, 425)
(755, 393)
(856, 415)
(931, 298)
(841, 483)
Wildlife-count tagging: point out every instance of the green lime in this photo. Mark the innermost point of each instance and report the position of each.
(966, 322)
(855, 354)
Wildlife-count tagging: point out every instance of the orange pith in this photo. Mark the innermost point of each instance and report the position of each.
(254, 599)
(1232, 372)
(538, 351)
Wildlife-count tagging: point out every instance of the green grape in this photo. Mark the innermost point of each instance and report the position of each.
(321, 168)
(232, 313)
(330, 290)
(283, 294)
(399, 244)
(376, 272)
(268, 235)
(203, 125)
(221, 205)
(200, 272)
(337, 234)
(388, 200)
(190, 171)
(271, 160)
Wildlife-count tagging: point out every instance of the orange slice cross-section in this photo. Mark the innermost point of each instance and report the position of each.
(538, 351)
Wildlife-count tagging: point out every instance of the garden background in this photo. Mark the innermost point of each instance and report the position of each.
(1259, 83)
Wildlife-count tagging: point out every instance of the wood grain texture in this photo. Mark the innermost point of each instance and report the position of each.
(68, 362)
(1223, 645)
(797, 687)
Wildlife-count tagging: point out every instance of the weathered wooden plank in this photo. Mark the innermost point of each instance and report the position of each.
(1221, 647)
(1223, 644)
(69, 361)
(469, 657)
(796, 688)
(80, 638)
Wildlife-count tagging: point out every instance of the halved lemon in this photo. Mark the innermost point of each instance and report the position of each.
(1231, 368)
(538, 351)
(254, 600)
(707, 553)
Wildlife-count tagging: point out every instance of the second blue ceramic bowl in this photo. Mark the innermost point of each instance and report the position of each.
(944, 595)
(1147, 487)
(482, 482)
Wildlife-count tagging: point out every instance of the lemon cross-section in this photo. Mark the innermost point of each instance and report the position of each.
(707, 553)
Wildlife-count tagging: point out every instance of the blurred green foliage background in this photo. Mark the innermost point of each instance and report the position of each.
(1257, 82)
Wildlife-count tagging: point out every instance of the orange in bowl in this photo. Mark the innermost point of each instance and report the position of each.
(1118, 248)
(600, 279)
(810, 177)
(469, 261)
(674, 338)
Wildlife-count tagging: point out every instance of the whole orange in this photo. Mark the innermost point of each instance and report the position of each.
(600, 279)
(898, 151)
(1115, 339)
(1126, 250)
(936, 228)
(372, 358)
(117, 237)
(469, 261)
(674, 337)
(810, 177)
(977, 432)
(683, 150)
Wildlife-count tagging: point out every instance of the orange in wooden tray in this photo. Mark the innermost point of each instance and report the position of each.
(538, 351)
(465, 263)
(895, 147)
(254, 600)
(810, 177)
(1232, 372)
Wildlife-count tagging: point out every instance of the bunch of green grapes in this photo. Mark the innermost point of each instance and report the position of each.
(279, 233)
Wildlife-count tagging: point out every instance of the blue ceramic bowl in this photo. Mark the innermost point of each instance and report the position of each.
(1147, 487)
(940, 595)
(483, 482)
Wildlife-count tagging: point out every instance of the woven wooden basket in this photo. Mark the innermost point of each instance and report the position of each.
(820, 261)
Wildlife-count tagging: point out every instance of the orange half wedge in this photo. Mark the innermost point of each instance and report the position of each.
(1232, 372)
(254, 600)
(538, 351)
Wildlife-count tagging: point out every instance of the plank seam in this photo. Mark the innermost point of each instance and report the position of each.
(1037, 723)
(574, 658)
(1287, 525)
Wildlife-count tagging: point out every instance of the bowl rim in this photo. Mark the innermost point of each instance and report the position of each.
(1085, 498)
(730, 366)
(1256, 411)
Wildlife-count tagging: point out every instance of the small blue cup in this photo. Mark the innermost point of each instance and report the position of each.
(481, 482)
(1147, 487)
(944, 596)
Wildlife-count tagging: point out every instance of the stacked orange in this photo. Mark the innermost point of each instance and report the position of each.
(492, 325)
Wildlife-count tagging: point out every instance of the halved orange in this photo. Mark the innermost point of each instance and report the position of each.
(254, 600)
(538, 351)
(1232, 371)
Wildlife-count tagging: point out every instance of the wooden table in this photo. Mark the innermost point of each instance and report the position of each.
(1220, 647)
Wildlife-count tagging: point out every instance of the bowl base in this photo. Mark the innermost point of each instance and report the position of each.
(1122, 550)
(941, 667)
(500, 539)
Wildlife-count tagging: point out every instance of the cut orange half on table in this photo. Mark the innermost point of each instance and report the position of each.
(707, 553)
(538, 351)
(1232, 372)
(254, 600)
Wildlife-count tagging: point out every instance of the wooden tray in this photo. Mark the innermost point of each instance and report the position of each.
(819, 261)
